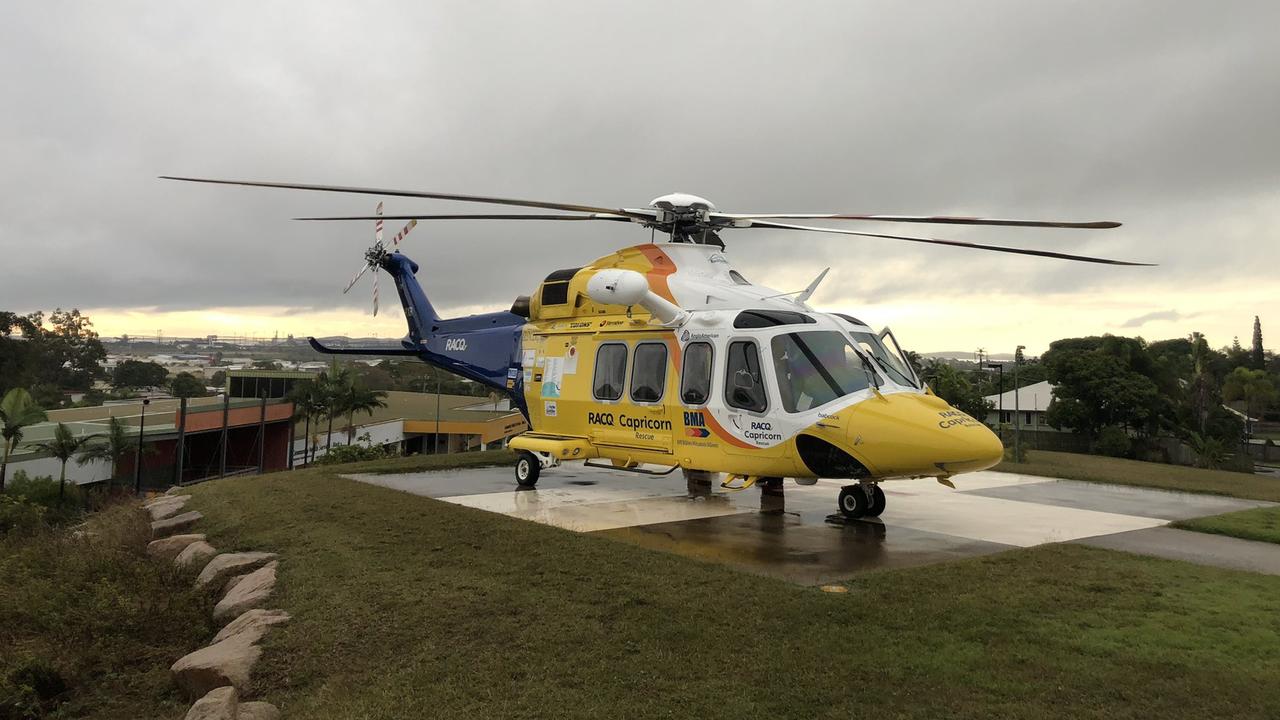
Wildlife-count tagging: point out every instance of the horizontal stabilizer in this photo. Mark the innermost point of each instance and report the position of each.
(394, 350)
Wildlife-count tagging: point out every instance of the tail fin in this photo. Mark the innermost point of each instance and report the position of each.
(420, 314)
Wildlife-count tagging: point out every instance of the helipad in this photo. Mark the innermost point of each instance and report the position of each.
(794, 533)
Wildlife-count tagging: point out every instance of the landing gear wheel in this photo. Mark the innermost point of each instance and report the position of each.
(878, 502)
(853, 501)
(527, 469)
(770, 483)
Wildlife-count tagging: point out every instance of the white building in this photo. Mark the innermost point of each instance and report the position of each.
(1031, 401)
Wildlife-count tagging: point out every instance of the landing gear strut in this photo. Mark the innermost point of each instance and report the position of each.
(861, 500)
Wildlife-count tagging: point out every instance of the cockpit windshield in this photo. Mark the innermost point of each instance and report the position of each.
(815, 368)
(890, 362)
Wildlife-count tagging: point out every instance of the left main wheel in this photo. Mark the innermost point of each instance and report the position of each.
(527, 469)
(853, 501)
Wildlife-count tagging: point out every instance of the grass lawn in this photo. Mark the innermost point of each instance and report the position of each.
(1098, 468)
(409, 607)
(415, 463)
(1257, 524)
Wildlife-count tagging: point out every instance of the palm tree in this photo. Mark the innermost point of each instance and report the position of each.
(63, 446)
(115, 446)
(353, 399)
(17, 411)
(308, 402)
(331, 386)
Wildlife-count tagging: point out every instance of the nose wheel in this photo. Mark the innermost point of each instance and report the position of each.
(861, 500)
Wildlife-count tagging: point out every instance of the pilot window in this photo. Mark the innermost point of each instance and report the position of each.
(695, 385)
(649, 372)
(744, 383)
(814, 368)
(611, 371)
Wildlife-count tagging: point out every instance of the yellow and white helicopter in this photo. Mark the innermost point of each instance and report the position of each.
(663, 355)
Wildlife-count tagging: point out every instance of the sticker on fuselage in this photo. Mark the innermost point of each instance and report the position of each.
(549, 408)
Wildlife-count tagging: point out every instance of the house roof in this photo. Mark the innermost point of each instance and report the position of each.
(1031, 397)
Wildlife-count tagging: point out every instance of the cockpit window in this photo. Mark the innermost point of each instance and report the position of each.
(889, 362)
(770, 318)
(815, 368)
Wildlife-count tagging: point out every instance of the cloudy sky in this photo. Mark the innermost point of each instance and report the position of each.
(1162, 115)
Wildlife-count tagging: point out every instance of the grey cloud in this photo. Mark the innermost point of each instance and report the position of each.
(1170, 315)
(1160, 115)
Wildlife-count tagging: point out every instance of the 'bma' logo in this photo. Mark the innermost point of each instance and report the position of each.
(455, 345)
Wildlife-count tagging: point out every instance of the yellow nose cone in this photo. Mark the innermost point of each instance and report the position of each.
(909, 434)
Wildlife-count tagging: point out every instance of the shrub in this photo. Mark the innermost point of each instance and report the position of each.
(18, 516)
(89, 623)
(42, 490)
(1114, 442)
(353, 453)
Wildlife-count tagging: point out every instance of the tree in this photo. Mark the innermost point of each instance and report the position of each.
(1257, 354)
(219, 379)
(308, 403)
(113, 447)
(139, 374)
(330, 386)
(1254, 387)
(185, 385)
(1101, 381)
(17, 411)
(352, 398)
(951, 385)
(63, 446)
(266, 365)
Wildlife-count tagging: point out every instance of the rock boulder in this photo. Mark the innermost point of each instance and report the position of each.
(195, 554)
(219, 704)
(228, 564)
(168, 548)
(225, 663)
(253, 591)
(175, 525)
(162, 510)
(252, 625)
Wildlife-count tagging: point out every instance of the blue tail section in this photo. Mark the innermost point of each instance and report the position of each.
(484, 348)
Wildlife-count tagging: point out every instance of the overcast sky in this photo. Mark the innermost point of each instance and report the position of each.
(1162, 115)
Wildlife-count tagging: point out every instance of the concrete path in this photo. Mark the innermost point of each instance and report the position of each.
(1194, 547)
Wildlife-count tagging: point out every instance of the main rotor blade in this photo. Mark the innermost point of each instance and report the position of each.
(940, 219)
(377, 224)
(596, 216)
(356, 279)
(421, 194)
(954, 243)
(375, 293)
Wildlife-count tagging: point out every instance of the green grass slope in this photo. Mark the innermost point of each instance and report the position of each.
(1098, 468)
(409, 607)
(1257, 524)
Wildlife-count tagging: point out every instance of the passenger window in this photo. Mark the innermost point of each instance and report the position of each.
(611, 371)
(649, 373)
(695, 386)
(744, 385)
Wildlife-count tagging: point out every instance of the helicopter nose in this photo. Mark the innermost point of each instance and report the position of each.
(911, 434)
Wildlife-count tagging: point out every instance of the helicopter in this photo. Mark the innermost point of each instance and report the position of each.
(662, 356)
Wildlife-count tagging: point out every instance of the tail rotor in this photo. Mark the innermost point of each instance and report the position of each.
(374, 256)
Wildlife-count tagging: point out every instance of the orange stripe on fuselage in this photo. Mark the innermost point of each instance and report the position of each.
(725, 434)
(662, 266)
